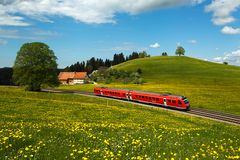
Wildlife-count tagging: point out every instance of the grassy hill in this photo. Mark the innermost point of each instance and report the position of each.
(207, 85)
(183, 70)
(60, 126)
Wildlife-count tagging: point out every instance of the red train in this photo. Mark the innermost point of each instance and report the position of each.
(167, 100)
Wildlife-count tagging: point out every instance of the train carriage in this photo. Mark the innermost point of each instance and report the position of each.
(167, 100)
(111, 92)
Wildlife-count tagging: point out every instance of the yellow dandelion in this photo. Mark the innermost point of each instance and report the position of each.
(80, 152)
(96, 150)
(5, 138)
(106, 142)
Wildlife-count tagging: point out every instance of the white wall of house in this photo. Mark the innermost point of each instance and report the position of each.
(78, 81)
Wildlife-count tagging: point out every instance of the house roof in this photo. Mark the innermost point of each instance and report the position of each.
(72, 75)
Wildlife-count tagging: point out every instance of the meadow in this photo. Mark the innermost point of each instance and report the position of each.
(207, 85)
(60, 126)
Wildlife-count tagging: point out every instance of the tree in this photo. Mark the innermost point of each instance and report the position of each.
(164, 54)
(35, 66)
(180, 51)
(139, 71)
(143, 54)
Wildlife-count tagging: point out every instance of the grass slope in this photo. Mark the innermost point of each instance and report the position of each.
(183, 70)
(59, 126)
(208, 85)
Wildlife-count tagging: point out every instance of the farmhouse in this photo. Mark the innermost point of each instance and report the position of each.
(72, 77)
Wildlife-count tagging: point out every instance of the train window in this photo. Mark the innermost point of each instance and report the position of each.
(173, 101)
(157, 99)
(169, 101)
(179, 102)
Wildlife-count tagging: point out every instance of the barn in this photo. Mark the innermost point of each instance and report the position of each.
(72, 78)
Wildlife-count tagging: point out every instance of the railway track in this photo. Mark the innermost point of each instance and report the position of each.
(223, 117)
(216, 115)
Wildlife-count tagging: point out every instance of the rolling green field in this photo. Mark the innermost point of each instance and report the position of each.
(206, 84)
(60, 126)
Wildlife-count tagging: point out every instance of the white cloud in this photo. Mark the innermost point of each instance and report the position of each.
(223, 20)
(230, 30)
(218, 59)
(7, 20)
(3, 42)
(155, 45)
(193, 41)
(87, 11)
(222, 10)
(26, 34)
(45, 33)
(10, 34)
(231, 58)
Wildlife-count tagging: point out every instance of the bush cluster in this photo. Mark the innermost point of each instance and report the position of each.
(109, 75)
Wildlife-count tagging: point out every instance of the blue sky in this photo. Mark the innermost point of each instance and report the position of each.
(80, 29)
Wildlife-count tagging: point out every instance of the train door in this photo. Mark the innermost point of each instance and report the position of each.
(130, 96)
(153, 100)
(101, 92)
(164, 102)
(127, 96)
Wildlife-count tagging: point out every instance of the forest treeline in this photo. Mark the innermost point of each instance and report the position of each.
(94, 63)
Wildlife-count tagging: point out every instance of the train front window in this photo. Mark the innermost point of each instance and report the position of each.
(186, 101)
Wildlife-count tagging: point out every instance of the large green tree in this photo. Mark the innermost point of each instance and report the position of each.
(180, 51)
(35, 67)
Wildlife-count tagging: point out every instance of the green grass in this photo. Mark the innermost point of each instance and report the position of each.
(207, 85)
(60, 126)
